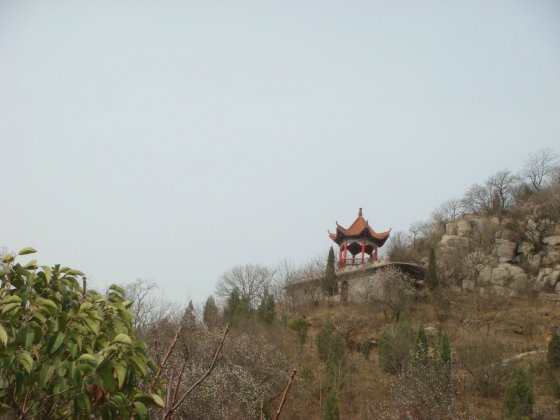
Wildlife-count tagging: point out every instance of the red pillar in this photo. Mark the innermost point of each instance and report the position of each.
(340, 257)
(375, 254)
(345, 250)
(363, 249)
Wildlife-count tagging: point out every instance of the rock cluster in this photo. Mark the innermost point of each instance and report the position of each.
(511, 263)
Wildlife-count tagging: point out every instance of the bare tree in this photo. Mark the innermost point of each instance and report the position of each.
(393, 289)
(478, 199)
(418, 230)
(539, 166)
(502, 186)
(250, 280)
(149, 308)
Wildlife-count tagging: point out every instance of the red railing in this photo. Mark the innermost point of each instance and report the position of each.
(352, 261)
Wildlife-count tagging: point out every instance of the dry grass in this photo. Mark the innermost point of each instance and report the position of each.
(519, 324)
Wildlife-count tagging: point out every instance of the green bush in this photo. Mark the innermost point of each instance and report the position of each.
(68, 352)
(518, 396)
(394, 348)
(553, 355)
(330, 409)
(329, 283)
(300, 326)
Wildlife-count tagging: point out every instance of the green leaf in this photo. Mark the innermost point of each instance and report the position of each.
(48, 273)
(27, 250)
(57, 342)
(47, 304)
(9, 307)
(75, 272)
(29, 336)
(105, 373)
(45, 374)
(140, 410)
(140, 365)
(120, 369)
(39, 317)
(8, 258)
(87, 358)
(26, 361)
(116, 289)
(11, 299)
(5, 271)
(31, 265)
(3, 335)
(158, 400)
(86, 306)
(123, 338)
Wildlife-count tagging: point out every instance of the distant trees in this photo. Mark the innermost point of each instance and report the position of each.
(539, 166)
(249, 280)
(210, 312)
(329, 282)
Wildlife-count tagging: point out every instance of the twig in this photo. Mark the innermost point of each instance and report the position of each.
(281, 405)
(199, 380)
(169, 351)
(84, 287)
(178, 383)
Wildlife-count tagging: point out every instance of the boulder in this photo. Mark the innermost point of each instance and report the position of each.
(552, 240)
(551, 257)
(526, 248)
(464, 227)
(451, 228)
(509, 275)
(485, 276)
(505, 250)
(454, 241)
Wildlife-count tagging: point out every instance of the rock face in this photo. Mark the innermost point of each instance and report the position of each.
(505, 250)
(454, 241)
(552, 240)
(514, 261)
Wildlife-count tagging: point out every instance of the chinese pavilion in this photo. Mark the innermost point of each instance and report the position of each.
(360, 240)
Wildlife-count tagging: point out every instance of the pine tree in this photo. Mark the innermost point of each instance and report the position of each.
(419, 351)
(518, 396)
(330, 410)
(210, 312)
(442, 351)
(329, 283)
(553, 355)
(430, 278)
(265, 311)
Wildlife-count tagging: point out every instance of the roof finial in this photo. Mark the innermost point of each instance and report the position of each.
(360, 212)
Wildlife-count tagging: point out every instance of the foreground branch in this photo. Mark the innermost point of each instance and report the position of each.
(175, 406)
(281, 405)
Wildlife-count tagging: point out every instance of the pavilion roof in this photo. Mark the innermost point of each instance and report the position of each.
(360, 229)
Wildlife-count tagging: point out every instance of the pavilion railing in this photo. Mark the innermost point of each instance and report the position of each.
(352, 261)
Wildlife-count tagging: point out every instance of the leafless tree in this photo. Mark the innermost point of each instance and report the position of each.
(449, 211)
(539, 166)
(478, 199)
(397, 248)
(501, 186)
(392, 289)
(250, 280)
(148, 307)
(418, 230)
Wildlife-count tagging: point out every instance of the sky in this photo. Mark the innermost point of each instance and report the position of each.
(174, 140)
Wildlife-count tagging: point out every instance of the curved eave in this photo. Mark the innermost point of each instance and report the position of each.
(378, 239)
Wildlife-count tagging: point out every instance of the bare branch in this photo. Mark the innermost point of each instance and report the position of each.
(169, 351)
(283, 401)
(199, 380)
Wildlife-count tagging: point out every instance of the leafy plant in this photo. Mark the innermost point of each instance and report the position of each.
(66, 351)
(431, 278)
(518, 396)
(553, 355)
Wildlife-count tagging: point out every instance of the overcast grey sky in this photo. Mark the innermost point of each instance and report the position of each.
(174, 140)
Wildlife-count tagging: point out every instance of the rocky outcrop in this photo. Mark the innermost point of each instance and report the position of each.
(513, 265)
